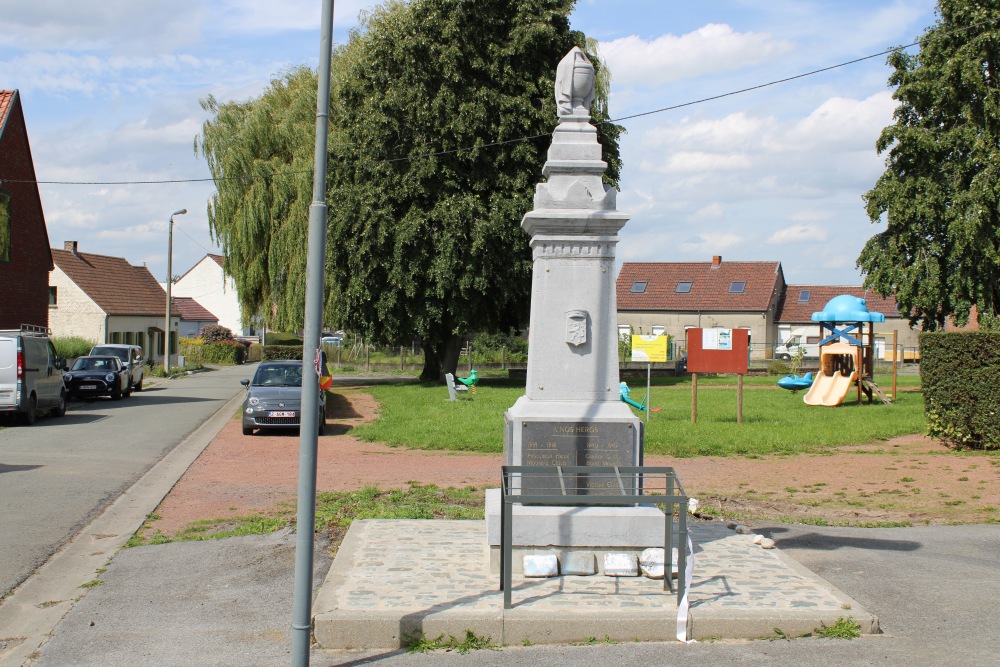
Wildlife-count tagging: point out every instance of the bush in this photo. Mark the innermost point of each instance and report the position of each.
(255, 352)
(960, 378)
(225, 352)
(72, 346)
(778, 367)
(271, 352)
(215, 332)
(280, 338)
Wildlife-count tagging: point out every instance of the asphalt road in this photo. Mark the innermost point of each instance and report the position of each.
(58, 475)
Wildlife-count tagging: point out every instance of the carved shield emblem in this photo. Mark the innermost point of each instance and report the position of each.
(576, 327)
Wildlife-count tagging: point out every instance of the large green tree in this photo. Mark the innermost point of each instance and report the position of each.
(424, 233)
(940, 194)
(260, 153)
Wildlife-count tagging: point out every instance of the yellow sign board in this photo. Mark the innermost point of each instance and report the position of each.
(649, 348)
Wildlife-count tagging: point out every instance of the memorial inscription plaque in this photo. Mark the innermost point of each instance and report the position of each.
(577, 444)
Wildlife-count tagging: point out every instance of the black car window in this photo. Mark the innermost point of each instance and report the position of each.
(278, 376)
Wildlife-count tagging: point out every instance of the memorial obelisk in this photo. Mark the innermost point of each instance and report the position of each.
(571, 413)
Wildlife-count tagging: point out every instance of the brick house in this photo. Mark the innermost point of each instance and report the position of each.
(799, 302)
(107, 300)
(25, 259)
(671, 297)
(193, 316)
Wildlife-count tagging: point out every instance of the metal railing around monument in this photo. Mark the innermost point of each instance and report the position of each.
(596, 486)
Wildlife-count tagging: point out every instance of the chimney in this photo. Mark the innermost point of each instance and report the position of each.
(716, 261)
(70, 246)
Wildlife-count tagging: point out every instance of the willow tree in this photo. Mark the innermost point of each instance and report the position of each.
(260, 154)
(445, 116)
(940, 194)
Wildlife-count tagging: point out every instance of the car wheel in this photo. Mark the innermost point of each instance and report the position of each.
(60, 409)
(247, 430)
(785, 357)
(322, 426)
(28, 418)
(138, 387)
(128, 388)
(116, 394)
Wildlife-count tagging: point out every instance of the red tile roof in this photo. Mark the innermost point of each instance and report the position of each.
(218, 258)
(6, 102)
(793, 309)
(710, 285)
(191, 310)
(116, 286)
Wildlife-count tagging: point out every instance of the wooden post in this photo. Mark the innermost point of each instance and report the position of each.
(739, 398)
(694, 398)
(368, 359)
(895, 337)
(649, 403)
(402, 354)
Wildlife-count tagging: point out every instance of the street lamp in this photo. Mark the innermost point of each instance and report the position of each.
(170, 280)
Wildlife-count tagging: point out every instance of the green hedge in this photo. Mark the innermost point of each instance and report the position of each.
(282, 352)
(960, 378)
(224, 352)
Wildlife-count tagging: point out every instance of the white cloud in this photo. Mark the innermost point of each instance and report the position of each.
(711, 48)
(798, 234)
(117, 25)
(710, 243)
(714, 210)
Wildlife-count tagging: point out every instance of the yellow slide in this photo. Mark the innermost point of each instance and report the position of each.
(831, 385)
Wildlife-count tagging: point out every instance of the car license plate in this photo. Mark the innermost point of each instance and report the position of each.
(280, 414)
(85, 387)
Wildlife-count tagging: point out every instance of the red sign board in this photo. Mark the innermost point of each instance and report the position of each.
(718, 350)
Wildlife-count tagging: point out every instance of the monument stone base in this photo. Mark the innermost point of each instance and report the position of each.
(562, 530)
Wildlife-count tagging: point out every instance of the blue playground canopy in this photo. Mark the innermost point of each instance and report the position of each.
(847, 308)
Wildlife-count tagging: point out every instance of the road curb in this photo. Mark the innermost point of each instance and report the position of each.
(30, 613)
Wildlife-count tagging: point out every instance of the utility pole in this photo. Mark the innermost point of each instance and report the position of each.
(311, 359)
(170, 282)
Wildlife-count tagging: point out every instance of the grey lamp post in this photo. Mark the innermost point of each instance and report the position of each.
(170, 280)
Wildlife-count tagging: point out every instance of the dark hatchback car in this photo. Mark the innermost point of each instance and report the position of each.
(97, 376)
(274, 397)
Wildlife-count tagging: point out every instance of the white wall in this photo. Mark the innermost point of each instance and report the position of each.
(75, 313)
(208, 285)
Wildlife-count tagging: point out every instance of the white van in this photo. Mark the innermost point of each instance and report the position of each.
(806, 338)
(30, 375)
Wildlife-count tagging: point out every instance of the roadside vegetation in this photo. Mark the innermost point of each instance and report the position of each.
(334, 513)
(775, 421)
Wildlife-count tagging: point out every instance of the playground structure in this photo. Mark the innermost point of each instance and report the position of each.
(847, 352)
(795, 382)
(625, 391)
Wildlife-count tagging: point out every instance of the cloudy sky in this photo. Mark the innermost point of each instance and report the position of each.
(111, 93)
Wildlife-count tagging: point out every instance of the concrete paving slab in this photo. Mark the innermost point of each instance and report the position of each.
(394, 579)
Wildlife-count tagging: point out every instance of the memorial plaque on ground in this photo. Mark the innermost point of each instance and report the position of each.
(577, 444)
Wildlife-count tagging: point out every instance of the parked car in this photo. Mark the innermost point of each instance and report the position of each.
(131, 357)
(274, 397)
(30, 375)
(97, 376)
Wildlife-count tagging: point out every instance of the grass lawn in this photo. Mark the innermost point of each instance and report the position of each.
(774, 420)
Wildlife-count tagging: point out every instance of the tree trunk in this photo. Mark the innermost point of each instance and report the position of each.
(432, 363)
(440, 358)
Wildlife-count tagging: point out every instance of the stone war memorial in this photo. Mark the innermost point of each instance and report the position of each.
(573, 545)
(571, 415)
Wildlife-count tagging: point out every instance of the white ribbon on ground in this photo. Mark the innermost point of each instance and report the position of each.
(682, 607)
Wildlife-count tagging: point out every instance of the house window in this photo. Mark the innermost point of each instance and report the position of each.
(737, 287)
(116, 336)
(5, 214)
(140, 340)
(53, 295)
(683, 287)
(129, 337)
(804, 295)
(624, 331)
(638, 287)
(657, 330)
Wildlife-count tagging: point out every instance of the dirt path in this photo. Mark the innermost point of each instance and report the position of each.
(909, 479)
